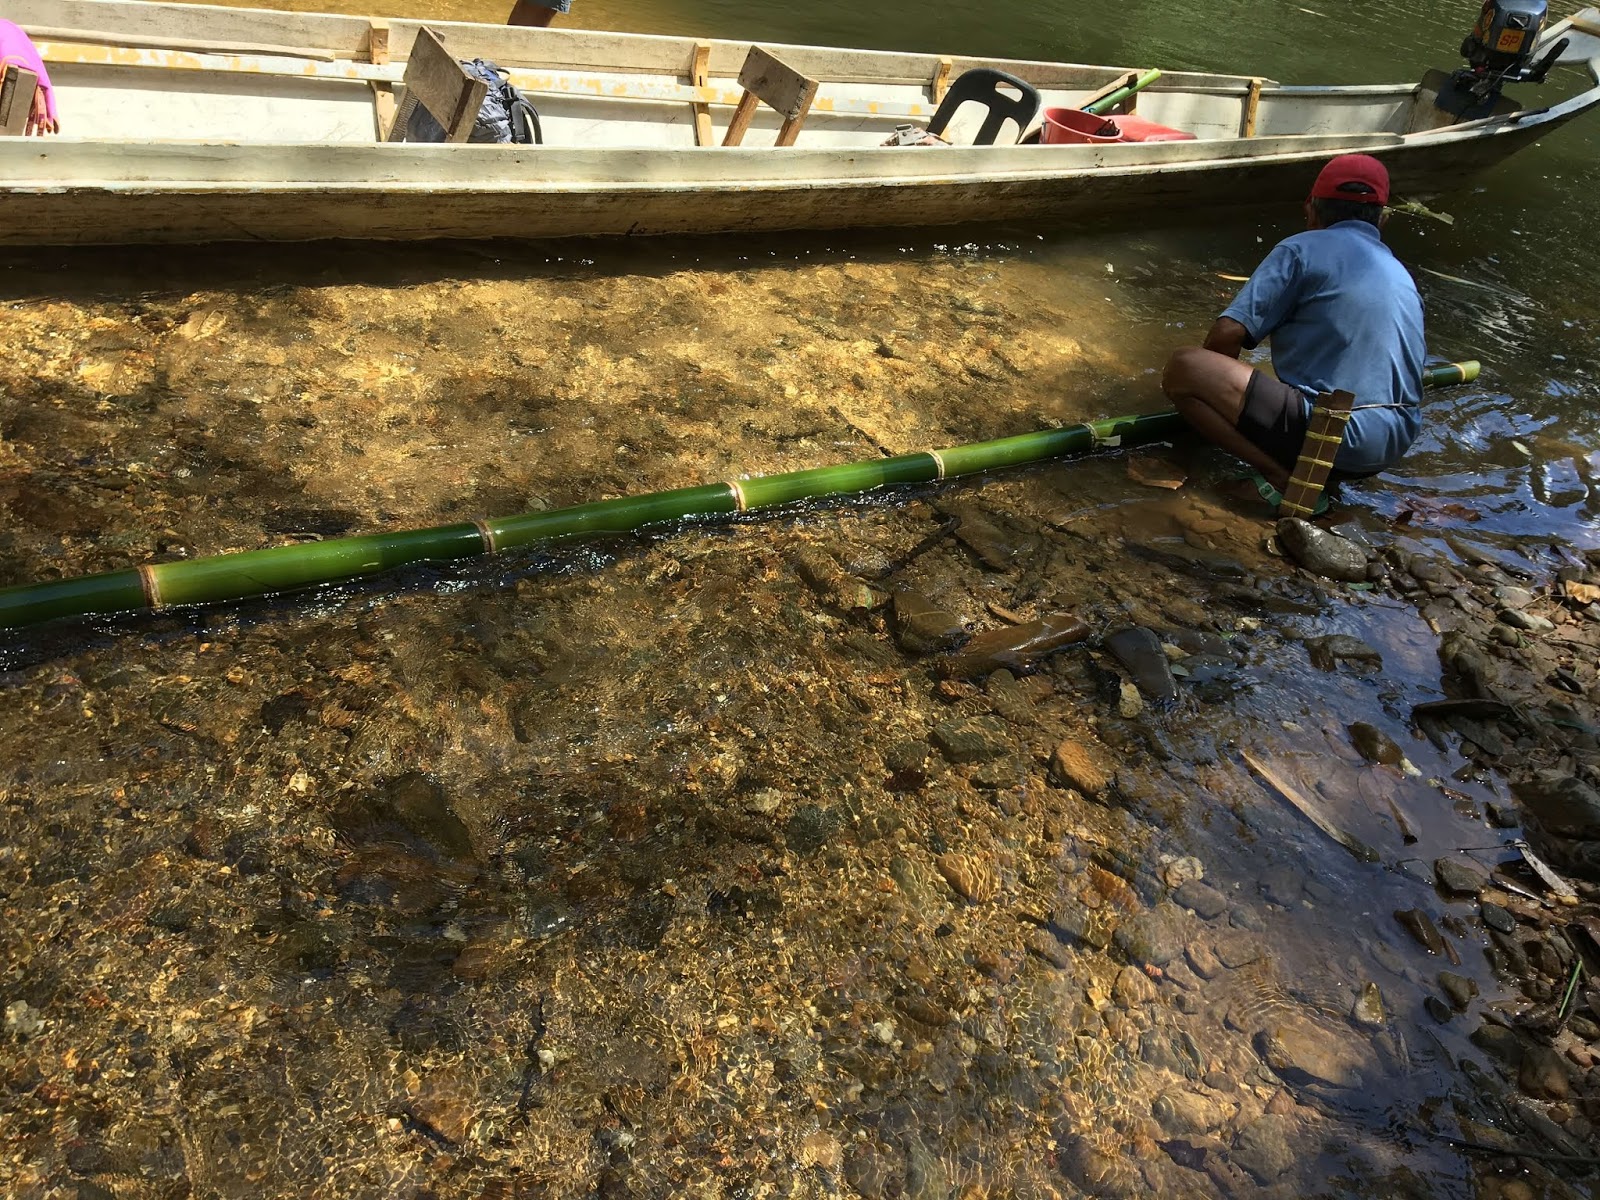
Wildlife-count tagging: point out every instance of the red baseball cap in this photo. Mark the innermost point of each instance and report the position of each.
(1357, 177)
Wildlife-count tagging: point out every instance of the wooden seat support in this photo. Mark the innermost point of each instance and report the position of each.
(435, 80)
(765, 79)
(16, 99)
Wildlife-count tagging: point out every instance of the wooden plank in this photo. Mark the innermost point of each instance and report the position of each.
(1158, 167)
(383, 110)
(1117, 84)
(778, 84)
(16, 99)
(150, 41)
(568, 83)
(401, 121)
(378, 42)
(347, 38)
(699, 77)
(1252, 107)
(741, 119)
(789, 130)
(941, 80)
(435, 80)
(545, 192)
(336, 35)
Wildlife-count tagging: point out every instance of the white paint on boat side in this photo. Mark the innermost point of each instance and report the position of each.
(189, 122)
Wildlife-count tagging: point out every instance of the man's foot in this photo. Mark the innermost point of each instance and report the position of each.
(1274, 497)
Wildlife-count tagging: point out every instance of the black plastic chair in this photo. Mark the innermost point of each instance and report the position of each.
(982, 86)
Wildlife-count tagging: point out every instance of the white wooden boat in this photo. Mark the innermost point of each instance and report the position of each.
(190, 123)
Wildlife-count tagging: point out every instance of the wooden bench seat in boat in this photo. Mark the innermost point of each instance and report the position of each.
(17, 86)
(768, 80)
(442, 86)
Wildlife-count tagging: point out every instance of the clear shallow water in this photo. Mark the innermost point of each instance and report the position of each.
(603, 871)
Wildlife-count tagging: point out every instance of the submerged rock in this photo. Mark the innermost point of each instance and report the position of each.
(1268, 1146)
(1420, 926)
(1301, 1052)
(1202, 899)
(1368, 1007)
(1074, 765)
(972, 875)
(922, 627)
(1014, 647)
(1155, 937)
(994, 547)
(1375, 745)
(1327, 652)
(1140, 651)
(974, 739)
(1457, 878)
(1322, 553)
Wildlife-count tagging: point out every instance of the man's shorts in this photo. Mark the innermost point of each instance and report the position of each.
(1275, 417)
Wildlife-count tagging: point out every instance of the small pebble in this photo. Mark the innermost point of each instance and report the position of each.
(1497, 918)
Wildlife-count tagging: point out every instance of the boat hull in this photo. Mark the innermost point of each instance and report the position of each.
(266, 129)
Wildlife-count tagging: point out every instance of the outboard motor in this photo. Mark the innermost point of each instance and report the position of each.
(1499, 50)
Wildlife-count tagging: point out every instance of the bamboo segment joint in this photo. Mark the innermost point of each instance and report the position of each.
(486, 532)
(151, 585)
(737, 492)
(938, 464)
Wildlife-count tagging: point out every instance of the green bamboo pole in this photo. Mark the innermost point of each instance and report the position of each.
(253, 573)
(1107, 102)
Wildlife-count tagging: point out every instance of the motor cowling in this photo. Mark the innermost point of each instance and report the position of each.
(1502, 41)
(1499, 50)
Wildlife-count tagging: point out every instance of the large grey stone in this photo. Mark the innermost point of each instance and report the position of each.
(1302, 1052)
(1267, 1146)
(1140, 651)
(1181, 1111)
(973, 739)
(1202, 899)
(1155, 937)
(1563, 804)
(1322, 553)
(1458, 878)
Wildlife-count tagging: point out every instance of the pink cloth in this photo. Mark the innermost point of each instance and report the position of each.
(16, 48)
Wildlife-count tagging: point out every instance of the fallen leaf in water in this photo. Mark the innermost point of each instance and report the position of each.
(1583, 593)
(1422, 511)
(1156, 472)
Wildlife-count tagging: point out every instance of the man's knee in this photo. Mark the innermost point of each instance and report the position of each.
(1178, 378)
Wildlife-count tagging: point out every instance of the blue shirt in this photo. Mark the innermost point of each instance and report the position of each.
(1343, 314)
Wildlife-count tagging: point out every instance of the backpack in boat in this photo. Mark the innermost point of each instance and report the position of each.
(506, 115)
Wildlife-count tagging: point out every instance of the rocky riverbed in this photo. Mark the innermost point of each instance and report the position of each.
(1047, 835)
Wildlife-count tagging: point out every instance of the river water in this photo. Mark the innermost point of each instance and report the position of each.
(668, 866)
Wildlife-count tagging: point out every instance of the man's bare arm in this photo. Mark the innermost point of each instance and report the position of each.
(1227, 336)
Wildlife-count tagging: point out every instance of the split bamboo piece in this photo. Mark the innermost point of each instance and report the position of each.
(1330, 415)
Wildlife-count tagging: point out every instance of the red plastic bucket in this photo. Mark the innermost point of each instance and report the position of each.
(1137, 129)
(1063, 126)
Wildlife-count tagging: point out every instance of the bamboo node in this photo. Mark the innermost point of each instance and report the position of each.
(486, 532)
(737, 492)
(938, 464)
(150, 585)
